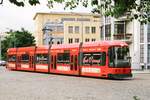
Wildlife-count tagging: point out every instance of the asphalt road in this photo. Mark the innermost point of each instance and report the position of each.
(15, 85)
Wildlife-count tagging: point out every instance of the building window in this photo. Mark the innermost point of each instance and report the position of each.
(141, 33)
(83, 19)
(148, 53)
(148, 67)
(76, 40)
(76, 29)
(148, 32)
(70, 29)
(120, 27)
(108, 32)
(51, 42)
(68, 19)
(87, 40)
(93, 30)
(87, 29)
(53, 27)
(70, 40)
(102, 32)
(108, 20)
(58, 42)
(142, 53)
(93, 40)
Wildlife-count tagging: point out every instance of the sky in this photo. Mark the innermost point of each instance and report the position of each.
(13, 17)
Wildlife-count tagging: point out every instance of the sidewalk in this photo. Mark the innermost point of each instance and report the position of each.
(141, 71)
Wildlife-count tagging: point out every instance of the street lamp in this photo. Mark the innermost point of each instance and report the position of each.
(0, 47)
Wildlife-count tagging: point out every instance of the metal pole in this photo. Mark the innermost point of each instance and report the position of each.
(50, 39)
(0, 47)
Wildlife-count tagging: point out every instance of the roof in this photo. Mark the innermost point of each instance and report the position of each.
(65, 13)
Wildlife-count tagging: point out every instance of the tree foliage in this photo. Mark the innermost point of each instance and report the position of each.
(22, 3)
(134, 9)
(16, 39)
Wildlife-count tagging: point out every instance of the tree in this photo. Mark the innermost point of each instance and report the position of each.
(16, 39)
(22, 3)
(134, 9)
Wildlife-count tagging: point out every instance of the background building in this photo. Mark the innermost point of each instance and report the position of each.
(66, 28)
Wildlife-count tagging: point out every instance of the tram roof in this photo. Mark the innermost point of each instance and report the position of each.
(90, 44)
(76, 45)
(11, 50)
(104, 43)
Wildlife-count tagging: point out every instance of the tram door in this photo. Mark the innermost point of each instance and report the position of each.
(74, 62)
(31, 62)
(53, 62)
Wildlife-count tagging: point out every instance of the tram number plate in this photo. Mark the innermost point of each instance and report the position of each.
(91, 70)
(63, 68)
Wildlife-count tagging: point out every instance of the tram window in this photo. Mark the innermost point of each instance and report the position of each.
(63, 58)
(11, 58)
(119, 57)
(25, 58)
(42, 58)
(94, 58)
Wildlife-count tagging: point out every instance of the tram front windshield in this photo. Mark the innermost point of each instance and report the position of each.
(119, 57)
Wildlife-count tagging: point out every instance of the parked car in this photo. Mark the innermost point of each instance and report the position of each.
(2, 63)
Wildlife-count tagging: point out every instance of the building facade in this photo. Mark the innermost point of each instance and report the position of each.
(66, 28)
(145, 46)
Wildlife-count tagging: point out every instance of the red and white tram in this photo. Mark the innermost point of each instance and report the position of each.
(106, 59)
